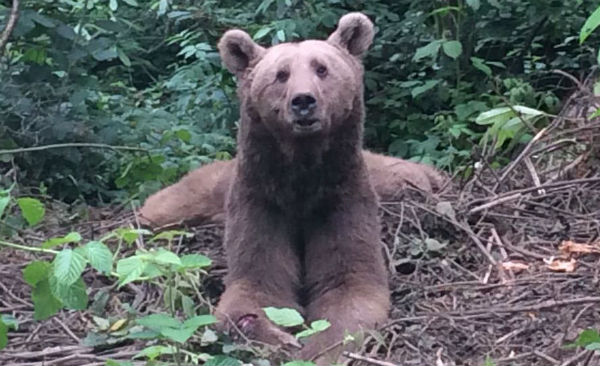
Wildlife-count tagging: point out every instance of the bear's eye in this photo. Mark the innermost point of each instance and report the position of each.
(282, 76)
(321, 71)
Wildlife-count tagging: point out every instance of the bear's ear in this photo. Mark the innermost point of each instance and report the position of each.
(354, 33)
(238, 51)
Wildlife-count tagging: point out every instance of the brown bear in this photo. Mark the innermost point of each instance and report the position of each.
(199, 197)
(301, 226)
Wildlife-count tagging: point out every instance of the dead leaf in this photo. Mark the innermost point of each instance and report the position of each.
(118, 325)
(514, 266)
(561, 265)
(569, 247)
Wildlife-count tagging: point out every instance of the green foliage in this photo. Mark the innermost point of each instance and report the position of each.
(588, 339)
(32, 210)
(123, 74)
(284, 317)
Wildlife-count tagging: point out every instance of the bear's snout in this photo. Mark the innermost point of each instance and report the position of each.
(303, 106)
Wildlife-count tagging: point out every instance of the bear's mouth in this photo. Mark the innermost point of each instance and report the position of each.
(306, 126)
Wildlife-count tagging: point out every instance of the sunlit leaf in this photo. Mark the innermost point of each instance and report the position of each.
(68, 266)
(592, 22)
(32, 210)
(285, 317)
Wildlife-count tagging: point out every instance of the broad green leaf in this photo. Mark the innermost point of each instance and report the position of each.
(158, 321)
(131, 2)
(179, 335)
(480, 65)
(475, 4)
(285, 317)
(281, 35)
(428, 85)
(68, 266)
(72, 237)
(165, 257)
(587, 337)
(299, 363)
(496, 115)
(429, 50)
(130, 235)
(99, 256)
(452, 49)
(200, 321)
(590, 25)
(130, 269)
(261, 33)
(222, 360)
(194, 261)
(153, 352)
(4, 200)
(45, 304)
(32, 210)
(73, 296)
(3, 334)
(316, 326)
(35, 272)
(595, 114)
(113, 5)
(105, 54)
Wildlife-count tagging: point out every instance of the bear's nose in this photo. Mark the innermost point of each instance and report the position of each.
(303, 105)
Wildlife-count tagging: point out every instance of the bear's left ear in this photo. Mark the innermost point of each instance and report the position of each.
(238, 51)
(354, 33)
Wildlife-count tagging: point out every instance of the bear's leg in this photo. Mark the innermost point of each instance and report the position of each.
(346, 279)
(264, 270)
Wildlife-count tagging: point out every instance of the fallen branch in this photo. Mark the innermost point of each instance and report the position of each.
(71, 144)
(10, 26)
(369, 360)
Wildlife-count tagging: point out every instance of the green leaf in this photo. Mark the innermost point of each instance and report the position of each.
(131, 2)
(316, 326)
(72, 237)
(4, 200)
(45, 304)
(452, 49)
(194, 261)
(428, 85)
(285, 317)
(153, 352)
(595, 114)
(261, 33)
(3, 334)
(36, 272)
(10, 321)
(281, 35)
(113, 5)
(72, 296)
(165, 257)
(105, 54)
(118, 363)
(123, 57)
(299, 363)
(169, 235)
(200, 321)
(590, 25)
(32, 210)
(130, 269)
(494, 116)
(223, 360)
(180, 335)
(130, 235)
(158, 321)
(99, 256)
(474, 4)
(480, 65)
(588, 337)
(68, 266)
(429, 50)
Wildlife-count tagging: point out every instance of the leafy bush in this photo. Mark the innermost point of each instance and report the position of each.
(147, 75)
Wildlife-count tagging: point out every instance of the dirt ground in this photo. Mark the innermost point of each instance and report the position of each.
(498, 269)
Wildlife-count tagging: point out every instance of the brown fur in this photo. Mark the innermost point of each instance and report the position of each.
(301, 226)
(199, 197)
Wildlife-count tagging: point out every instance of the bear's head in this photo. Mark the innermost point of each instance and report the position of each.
(303, 89)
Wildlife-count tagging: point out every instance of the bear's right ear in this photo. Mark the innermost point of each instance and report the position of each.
(238, 51)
